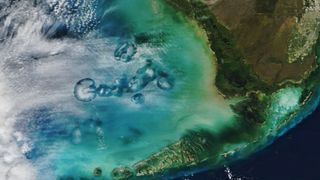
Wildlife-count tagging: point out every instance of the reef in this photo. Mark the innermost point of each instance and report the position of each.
(86, 90)
(192, 149)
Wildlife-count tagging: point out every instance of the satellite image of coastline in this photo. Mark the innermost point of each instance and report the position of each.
(159, 89)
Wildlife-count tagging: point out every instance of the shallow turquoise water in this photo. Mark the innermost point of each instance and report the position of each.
(72, 138)
(58, 136)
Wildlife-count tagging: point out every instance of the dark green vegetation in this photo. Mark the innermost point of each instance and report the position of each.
(266, 6)
(234, 76)
(246, 61)
(251, 109)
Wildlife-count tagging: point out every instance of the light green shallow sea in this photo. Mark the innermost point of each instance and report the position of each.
(193, 102)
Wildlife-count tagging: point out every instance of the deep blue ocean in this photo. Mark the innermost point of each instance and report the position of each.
(294, 156)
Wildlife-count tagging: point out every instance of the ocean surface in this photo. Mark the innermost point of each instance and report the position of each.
(152, 66)
(89, 83)
(294, 156)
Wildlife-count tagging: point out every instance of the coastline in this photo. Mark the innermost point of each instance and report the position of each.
(240, 78)
(250, 134)
(222, 44)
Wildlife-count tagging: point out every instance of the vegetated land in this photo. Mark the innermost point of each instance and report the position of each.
(252, 40)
